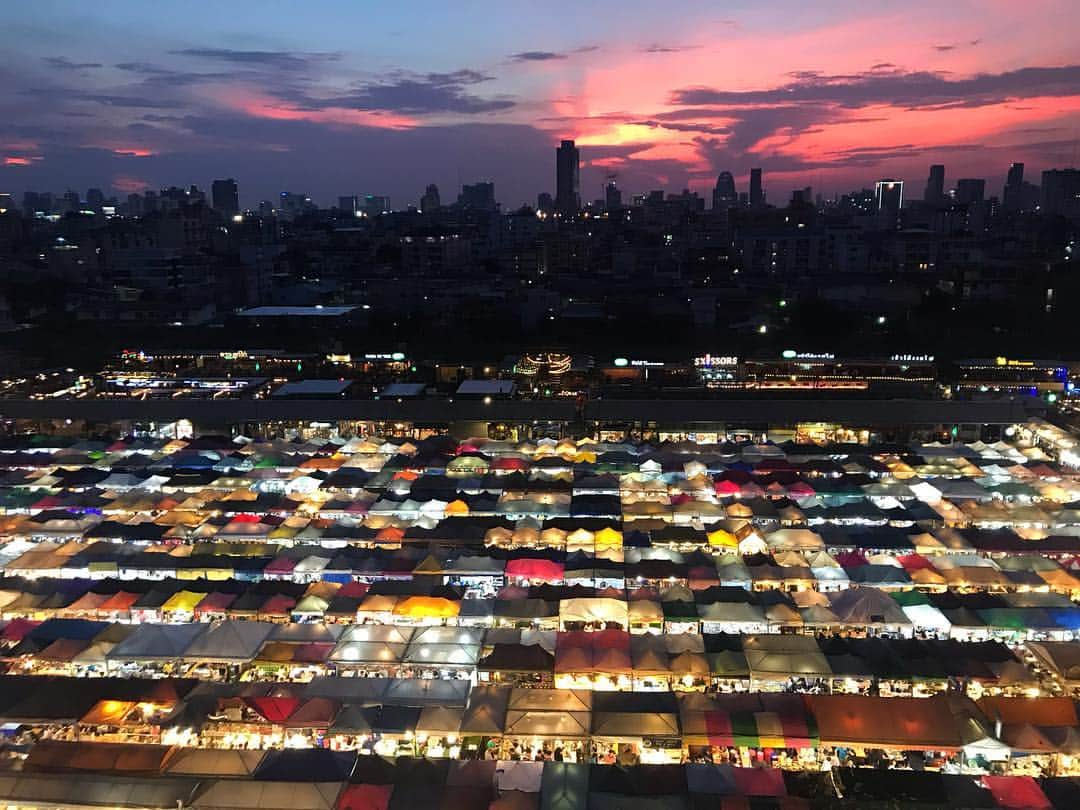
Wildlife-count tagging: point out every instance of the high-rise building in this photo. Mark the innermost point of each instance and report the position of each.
(724, 194)
(935, 185)
(889, 195)
(375, 204)
(430, 201)
(970, 190)
(225, 197)
(349, 204)
(1012, 194)
(567, 178)
(292, 205)
(95, 199)
(545, 204)
(1061, 192)
(479, 196)
(757, 193)
(612, 197)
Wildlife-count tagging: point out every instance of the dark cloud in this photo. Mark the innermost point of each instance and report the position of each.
(63, 63)
(284, 60)
(413, 94)
(910, 89)
(661, 48)
(155, 76)
(537, 56)
(674, 126)
(952, 46)
(55, 95)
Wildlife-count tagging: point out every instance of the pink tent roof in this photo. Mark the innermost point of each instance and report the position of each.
(851, 559)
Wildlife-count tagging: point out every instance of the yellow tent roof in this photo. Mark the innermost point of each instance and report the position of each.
(183, 600)
(608, 538)
(421, 607)
(723, 539)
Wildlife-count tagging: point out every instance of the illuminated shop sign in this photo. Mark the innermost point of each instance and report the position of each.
(791, 354)
(709, 361)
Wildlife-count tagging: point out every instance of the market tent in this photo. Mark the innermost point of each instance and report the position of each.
(75, 790)
(427, 607)
(1039, 711)
(485, 713)
(365, 797)
(1060, 657)
(634, 715)
(372, 644)
(778, 657)
(439, 720)
(239, 794)
(593, 610)
(893, 722)
(1017, 792)
(564, 786)
(758, 720)
(517, 658)
(98, 757)
(862, 606)
(205, 762)
(156, 642)
(562, 713)
(229, 641)
(442, 646)
(305, 765)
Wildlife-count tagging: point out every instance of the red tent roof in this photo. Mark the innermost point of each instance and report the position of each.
(16, 629)
(760, 781)
(1017, 792)
(214, 602)
(274, 709)
(535, 569)
(365, 797)
(119, 601)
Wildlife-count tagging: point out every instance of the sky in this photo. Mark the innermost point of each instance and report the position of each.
(357, 97)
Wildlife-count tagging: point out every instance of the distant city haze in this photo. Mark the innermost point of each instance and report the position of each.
(334, 99)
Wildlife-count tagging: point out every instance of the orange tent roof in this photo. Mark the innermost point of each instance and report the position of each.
(1039, 711)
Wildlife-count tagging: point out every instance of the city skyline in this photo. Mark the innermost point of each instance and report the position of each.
(334, 104)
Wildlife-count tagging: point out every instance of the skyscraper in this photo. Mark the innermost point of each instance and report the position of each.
(1061, 192)
(889, 195)
(724, 194)
(935, 184)
(970, 190)
(1012, 195)
(567, 178)
(479, 196)
(612, 197)
(430, 201)
(757, 193)
(226, 197)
